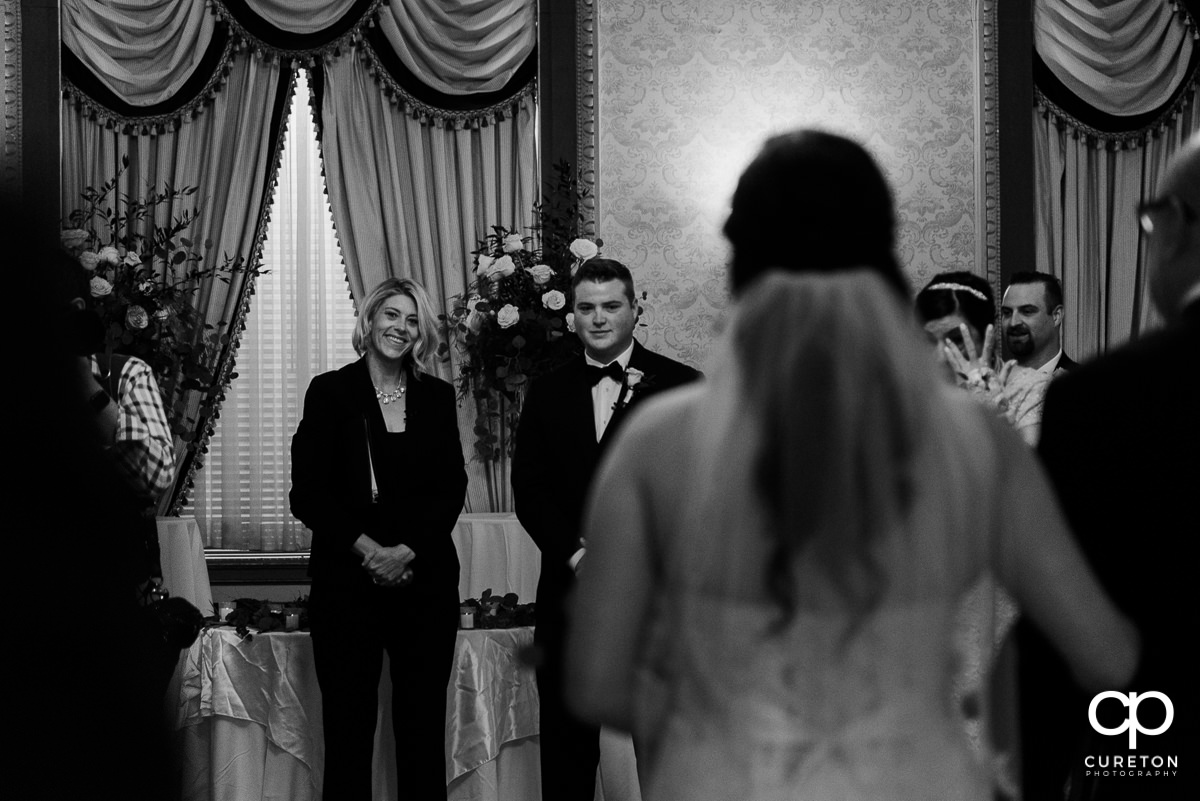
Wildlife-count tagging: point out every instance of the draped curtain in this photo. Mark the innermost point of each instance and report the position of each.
(427, 128)
(1116, 86)
(162, 84)
(299, 326)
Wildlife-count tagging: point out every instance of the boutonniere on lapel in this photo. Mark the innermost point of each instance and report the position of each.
(635, 380)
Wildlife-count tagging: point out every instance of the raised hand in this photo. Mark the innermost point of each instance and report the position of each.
(972, 370)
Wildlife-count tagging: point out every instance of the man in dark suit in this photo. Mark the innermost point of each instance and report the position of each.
(1121, 442)
(568, 418)
(1031, 315)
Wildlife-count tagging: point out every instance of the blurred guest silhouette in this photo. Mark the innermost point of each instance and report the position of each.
(1120, 440)
(89, 665)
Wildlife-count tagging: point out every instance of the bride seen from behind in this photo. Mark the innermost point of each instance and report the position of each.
(777, 555)
(779, 616)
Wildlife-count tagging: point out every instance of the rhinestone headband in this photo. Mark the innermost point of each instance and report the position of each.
(970, 290)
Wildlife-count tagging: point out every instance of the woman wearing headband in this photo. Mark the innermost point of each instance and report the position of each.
(958, 313)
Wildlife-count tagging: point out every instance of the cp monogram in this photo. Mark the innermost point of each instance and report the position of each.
(1131, 722)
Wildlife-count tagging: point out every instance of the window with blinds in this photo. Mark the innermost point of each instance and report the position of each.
(298, 326)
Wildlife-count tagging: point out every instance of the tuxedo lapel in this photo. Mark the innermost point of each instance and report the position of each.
(628, 395)
(579, 418)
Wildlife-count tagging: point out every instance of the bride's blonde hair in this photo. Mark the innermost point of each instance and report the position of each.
(835, 382)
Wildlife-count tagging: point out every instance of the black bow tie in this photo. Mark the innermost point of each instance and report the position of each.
(612, 370)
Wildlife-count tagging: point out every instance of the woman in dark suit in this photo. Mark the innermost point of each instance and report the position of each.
(377, 474)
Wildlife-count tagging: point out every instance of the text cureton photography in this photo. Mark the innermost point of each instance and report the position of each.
(1127, 705)
(1130, 765)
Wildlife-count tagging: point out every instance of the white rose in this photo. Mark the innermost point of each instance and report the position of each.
(483, 264)
(99, 287)
(513, 243)
(136, 318)
(89, 260)
(475, 321)
(109, 255)
(132, 259)
(72, 238)
(633, 377)
(541, 273)
(503, 266)
(571, 321)
(554, 300)
(508, 315)
(584, 249)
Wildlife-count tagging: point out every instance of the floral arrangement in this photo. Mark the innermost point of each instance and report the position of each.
(261, 615)
(498, 611)
(514, 323)
(635, 383)
(143, 277)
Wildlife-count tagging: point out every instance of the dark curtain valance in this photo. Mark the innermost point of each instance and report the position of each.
(1116, 73)
(148, 69)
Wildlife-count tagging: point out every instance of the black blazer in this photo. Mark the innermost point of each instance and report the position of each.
(1121, 442)
(557, 454)
(1066, 364)
(331, 479)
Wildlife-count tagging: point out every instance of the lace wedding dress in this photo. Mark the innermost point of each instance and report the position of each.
(835, 705)
(821, 713)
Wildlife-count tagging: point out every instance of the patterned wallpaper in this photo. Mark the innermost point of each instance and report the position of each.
(688, 89)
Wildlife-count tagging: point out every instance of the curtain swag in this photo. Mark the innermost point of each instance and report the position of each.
(1119, 75)
(427, 114)
(104, 57)
(107, 109)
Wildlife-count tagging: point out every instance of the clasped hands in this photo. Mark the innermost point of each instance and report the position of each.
(389, 566)
(972, 371)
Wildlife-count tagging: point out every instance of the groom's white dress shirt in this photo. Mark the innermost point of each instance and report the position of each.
(607, 392)
(605, 395)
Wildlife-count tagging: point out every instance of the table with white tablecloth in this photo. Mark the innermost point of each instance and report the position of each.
(249, 719)
(248, 715)
(495, 553)
(181, 554)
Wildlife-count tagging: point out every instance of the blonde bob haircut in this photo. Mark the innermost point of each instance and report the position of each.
(424, 350)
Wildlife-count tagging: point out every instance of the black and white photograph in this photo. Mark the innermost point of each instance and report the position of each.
(602, 400)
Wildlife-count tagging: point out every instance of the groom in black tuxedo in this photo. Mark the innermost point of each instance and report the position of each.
(569, 416)
(1121, 442)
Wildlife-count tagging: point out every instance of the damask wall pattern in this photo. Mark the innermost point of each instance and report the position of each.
(687, 90)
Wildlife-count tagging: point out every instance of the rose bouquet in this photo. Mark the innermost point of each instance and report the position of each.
(515, 323)
(143, 277)
(261, 615)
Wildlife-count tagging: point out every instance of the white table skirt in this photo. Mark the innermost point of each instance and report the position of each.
(181, 551)
(495, 553)
(226, 759)
(249, 719)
